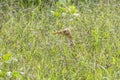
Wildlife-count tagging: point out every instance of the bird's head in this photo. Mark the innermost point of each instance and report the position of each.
(65, 31)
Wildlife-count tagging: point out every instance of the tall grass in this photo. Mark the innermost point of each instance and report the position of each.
(30, 51)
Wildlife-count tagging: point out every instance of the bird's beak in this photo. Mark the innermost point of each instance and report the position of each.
(58, 32)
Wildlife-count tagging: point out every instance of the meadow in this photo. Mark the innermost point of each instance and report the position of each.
(30, 51)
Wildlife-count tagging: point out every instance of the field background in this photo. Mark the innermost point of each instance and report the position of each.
(30, 51)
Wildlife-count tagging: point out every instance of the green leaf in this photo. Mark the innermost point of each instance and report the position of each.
(16, 74)
(72, 9)
(7, 57)
(2, 73)
(57, 14)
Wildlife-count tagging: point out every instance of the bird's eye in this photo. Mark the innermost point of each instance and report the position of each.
(64, 31)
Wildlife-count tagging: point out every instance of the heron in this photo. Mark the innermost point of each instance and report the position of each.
(67, 32)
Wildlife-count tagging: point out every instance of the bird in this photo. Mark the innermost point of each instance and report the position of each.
(67, 32)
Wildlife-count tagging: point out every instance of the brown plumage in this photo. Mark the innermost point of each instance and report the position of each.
(68, 33)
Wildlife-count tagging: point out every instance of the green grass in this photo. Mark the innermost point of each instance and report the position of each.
(30, 50)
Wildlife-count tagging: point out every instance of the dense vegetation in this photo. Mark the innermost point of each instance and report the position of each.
(30, 51)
